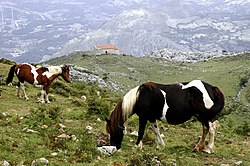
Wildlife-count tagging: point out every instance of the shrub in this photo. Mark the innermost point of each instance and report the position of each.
(98, 107)
(47, 114)
(248, 93)
(85, 150)
(243, 81)
(145, 159)
(59, 87)
(243, 129)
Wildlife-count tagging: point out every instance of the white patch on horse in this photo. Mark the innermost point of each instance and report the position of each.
(18, 70)
(33, 71)
(52, 70)
(198, 84)
(165, 107)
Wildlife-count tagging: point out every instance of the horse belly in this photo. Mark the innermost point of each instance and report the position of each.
(175, 110)
(175, 117)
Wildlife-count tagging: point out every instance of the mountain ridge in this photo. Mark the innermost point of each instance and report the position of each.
(36, 31)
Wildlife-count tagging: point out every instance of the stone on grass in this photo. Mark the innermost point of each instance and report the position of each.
(108, 150)
(40, 161)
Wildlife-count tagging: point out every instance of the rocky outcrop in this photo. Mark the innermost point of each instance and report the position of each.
(82, 74)
(181, 56)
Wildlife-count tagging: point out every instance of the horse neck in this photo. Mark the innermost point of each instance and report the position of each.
(54, 76)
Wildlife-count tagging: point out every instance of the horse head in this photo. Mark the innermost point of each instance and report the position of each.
(116, 132)
(65, 72)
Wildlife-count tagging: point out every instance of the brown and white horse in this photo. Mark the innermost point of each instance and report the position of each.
(38, 76)
(174, 104)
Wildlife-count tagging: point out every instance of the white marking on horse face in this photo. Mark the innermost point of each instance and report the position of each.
(198, 84)
(33, 71)
(165, 107)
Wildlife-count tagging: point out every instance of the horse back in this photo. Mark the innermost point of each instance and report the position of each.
(181, 103)
(151, 102)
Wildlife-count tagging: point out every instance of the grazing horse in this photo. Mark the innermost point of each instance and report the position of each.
(174, 104)
(38, 76)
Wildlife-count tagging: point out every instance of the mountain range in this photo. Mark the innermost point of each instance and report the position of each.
(38, 30)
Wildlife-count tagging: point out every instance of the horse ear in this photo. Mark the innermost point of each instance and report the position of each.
(63, 67)
(66, 66)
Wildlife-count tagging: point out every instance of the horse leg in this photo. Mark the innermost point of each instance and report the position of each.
(156, 130)
(41, 99)
(201, 145)
(47, 94)
(47, 98)
(23, 89)
(142, 126)
(212, 128)
(18, 89)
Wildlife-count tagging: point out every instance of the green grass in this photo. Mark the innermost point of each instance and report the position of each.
(18, 145)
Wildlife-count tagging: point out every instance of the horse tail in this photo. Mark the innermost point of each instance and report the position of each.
(129, 101)
(212, 113)
(11, 74)
(219, 102)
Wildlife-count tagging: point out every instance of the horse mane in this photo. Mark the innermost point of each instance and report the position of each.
(124, 109)
(129, 101)
(54, 69)
(116, 116)
(44, 69)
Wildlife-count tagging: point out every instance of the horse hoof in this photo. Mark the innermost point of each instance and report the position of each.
(208, 150)
(40, 101)
(139, 145)
(197, 149)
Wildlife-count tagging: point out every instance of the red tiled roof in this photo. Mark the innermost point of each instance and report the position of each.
(107, 47)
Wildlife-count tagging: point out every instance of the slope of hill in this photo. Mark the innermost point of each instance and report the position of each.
(69, 130)
(127, 71)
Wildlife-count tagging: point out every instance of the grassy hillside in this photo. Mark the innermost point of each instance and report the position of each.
(129, 71)
(57, 131)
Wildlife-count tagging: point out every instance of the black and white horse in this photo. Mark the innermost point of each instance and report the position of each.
(174, 104)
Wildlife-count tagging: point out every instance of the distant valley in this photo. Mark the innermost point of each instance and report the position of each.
(35, 31)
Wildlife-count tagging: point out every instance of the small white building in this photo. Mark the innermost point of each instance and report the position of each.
(108, 49)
